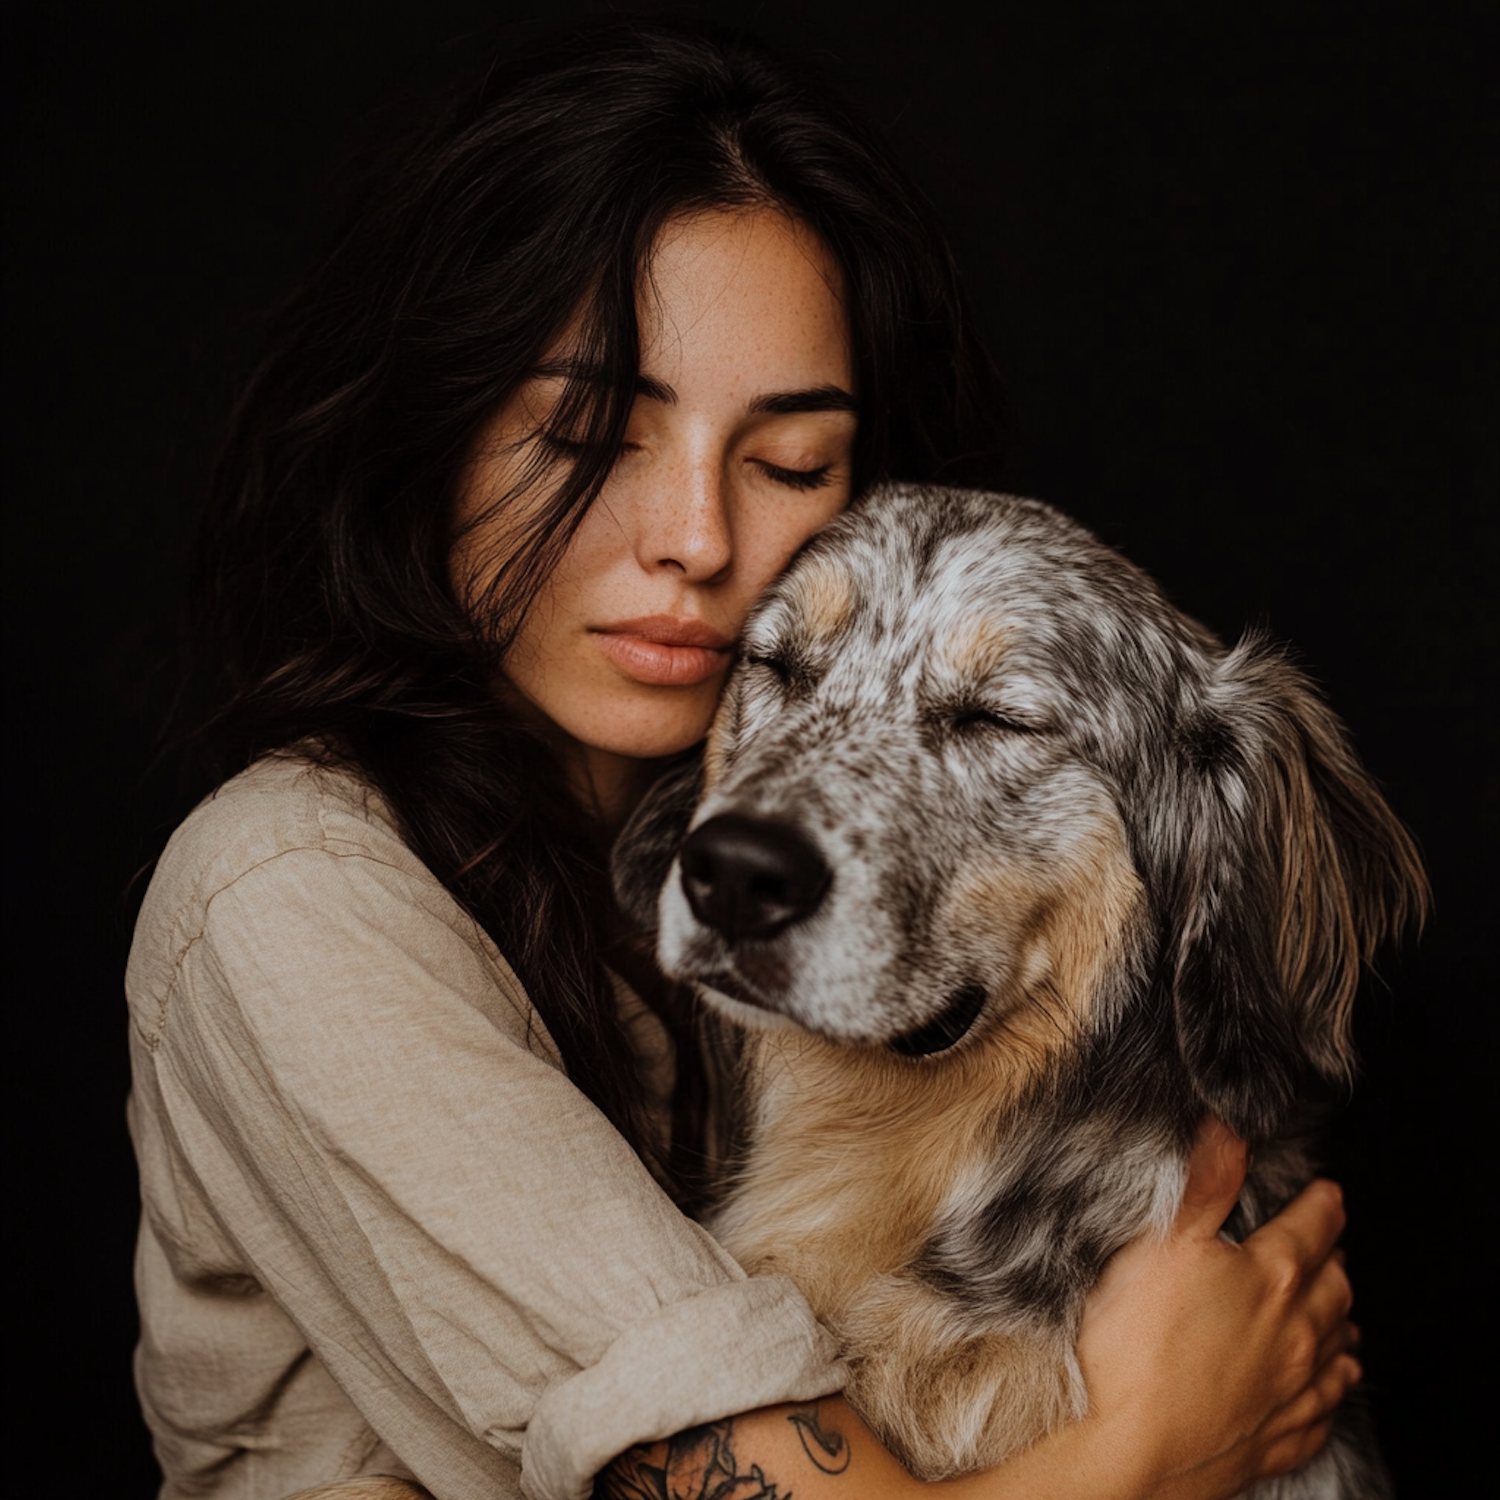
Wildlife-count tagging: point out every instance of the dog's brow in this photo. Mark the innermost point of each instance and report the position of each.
(974, 646)
(825, 596)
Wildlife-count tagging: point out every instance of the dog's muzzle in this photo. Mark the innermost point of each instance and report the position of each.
(751, 878)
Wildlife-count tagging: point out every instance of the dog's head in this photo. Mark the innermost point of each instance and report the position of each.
(972, 767)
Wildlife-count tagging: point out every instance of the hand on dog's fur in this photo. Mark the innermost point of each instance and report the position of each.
(1222, 1364)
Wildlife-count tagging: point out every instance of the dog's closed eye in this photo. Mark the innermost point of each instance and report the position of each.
(972, 719)
(789, 669)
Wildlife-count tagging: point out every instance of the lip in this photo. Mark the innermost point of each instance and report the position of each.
(663, 650)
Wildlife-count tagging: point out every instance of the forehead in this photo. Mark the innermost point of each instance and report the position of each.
(726, 291)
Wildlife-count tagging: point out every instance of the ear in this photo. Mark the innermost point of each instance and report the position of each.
(647, 845)
(1294, 872)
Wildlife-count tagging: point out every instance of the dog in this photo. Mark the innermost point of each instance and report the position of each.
(1012, 872)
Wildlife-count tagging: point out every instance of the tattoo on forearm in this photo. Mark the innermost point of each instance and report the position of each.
(699, 1464)
(828, 1450)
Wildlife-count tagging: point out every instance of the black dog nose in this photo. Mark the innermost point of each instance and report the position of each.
(750, 877)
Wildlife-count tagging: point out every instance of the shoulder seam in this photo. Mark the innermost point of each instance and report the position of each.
(185, 947)
(514, 991)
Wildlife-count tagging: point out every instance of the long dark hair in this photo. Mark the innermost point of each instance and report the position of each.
(324, 610)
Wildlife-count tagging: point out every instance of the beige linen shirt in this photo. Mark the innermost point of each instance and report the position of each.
(382, 1232)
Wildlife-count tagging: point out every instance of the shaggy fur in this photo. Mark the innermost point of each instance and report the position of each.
(1089, 874)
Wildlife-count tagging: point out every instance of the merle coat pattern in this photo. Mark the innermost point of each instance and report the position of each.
(1014, 871)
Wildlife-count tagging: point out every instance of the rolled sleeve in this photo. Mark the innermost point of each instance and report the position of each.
(353, 1086)
(737, 1347)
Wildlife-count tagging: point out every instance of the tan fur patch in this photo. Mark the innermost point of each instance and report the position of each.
(945, 1404)
(974, 648)
(1068, 920)
(824, 599)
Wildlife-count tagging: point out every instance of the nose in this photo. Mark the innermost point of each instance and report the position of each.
(751, 877)
(684, 525)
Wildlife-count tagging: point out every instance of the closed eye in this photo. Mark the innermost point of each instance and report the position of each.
(792, 672)
(780, 667)
(975, 719)
(567, 447)
(795, 479)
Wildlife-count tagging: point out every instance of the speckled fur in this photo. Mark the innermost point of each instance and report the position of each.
(1157, 856)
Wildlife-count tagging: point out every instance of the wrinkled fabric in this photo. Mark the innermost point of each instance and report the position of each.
(381, 1231)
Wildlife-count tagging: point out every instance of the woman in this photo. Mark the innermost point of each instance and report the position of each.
(571, 388)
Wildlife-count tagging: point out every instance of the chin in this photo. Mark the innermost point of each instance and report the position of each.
(665, 723)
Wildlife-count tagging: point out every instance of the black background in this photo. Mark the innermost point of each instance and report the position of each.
(1237, 263)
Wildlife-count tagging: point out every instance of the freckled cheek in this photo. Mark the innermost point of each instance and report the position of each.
(553, 643)
(579, 587)
(766, 544)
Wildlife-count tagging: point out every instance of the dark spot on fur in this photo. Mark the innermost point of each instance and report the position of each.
(1208, 742)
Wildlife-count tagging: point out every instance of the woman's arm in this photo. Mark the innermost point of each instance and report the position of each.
(353, 1141)
(1209, 1365)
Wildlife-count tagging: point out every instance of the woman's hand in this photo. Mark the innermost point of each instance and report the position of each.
(1211, 1365)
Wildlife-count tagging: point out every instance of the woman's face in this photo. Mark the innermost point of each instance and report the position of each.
(738, 449)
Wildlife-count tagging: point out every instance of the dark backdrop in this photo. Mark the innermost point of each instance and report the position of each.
(1237, 264)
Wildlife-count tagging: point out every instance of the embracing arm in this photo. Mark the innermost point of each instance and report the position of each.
(1209, 1366)
(349, 1144)
(355, 1143)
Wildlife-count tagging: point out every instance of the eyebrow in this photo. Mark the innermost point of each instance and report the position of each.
(818, 398)
(772, 403)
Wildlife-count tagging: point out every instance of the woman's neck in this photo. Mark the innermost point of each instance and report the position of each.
(607, 785)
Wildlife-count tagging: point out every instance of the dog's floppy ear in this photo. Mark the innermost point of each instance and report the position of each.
(647, 845)
(1294, 871)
